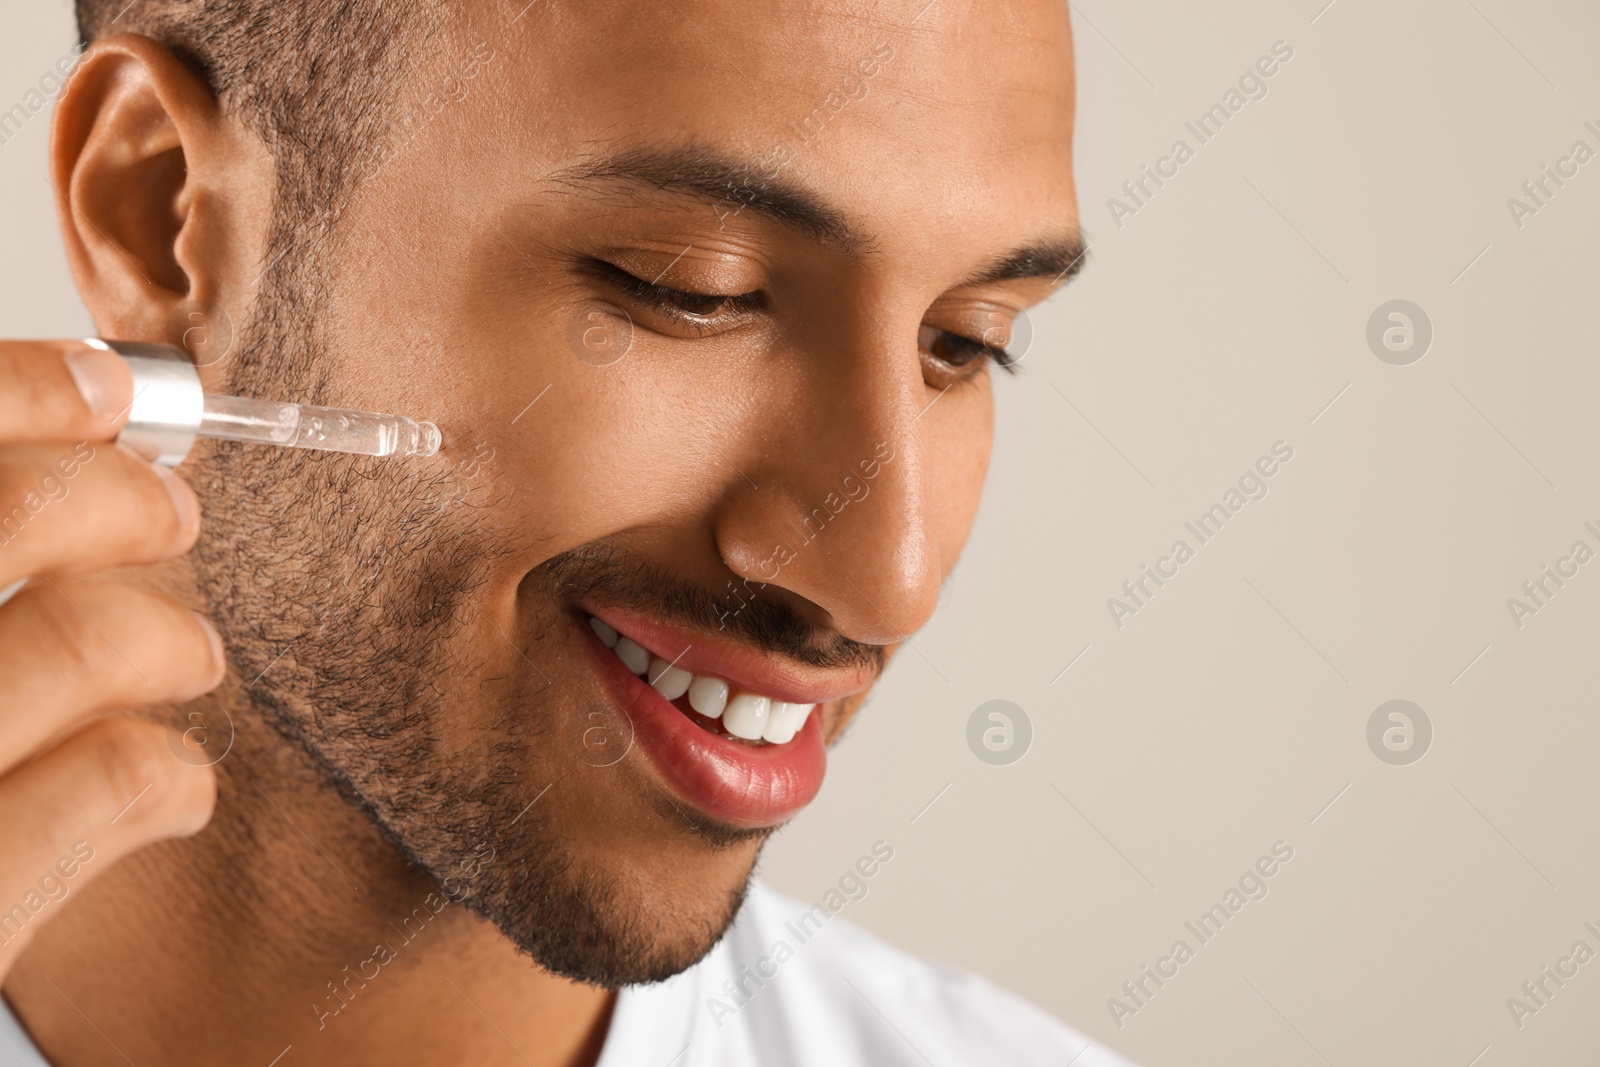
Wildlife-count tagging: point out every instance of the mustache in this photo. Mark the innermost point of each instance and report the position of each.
(606, 574)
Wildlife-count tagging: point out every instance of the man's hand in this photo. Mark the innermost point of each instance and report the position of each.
(81, 786)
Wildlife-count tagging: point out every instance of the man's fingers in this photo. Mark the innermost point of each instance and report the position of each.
(61, 391)
(73, 509)
(76, 798)
(72, 650)
(74, 811)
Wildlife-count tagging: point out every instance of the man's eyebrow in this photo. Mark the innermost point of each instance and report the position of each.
(711, 175)
(707, 174)
(1057, 258)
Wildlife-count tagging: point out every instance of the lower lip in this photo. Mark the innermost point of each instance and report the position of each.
(740, 785)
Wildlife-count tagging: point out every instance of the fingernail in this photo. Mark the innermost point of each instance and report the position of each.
(104, 381)
(183, 498)
(211, 635)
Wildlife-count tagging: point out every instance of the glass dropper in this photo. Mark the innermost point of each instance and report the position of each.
(271, 422)
(170, 409)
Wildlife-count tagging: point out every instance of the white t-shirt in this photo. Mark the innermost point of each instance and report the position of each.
(793, 986)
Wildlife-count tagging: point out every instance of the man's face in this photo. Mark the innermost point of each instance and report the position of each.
(699, 299)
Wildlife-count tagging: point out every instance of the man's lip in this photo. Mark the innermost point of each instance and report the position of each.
(738, 785)
(701, 652)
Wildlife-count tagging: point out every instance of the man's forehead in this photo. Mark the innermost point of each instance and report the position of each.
(855, 122)
(777, 57)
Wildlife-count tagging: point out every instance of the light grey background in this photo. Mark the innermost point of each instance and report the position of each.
(1231, 712)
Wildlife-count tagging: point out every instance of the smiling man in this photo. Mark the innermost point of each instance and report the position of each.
(704, 299)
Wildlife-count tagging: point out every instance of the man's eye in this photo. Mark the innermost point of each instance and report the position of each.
(679, 303)
(959, 351)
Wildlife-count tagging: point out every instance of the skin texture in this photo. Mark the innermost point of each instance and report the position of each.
(408, 696)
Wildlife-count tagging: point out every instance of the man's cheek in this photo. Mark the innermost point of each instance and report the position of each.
(957, 465)
(605, 449)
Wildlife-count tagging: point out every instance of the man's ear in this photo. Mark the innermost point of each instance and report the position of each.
(163, 200)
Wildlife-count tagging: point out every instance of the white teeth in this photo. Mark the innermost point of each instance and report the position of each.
(784, 721)
(671, 682)
(746, 716)
(633, 656)
(708, 696)
(607, 635)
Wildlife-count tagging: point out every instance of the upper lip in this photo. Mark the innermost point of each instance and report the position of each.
(703, 653)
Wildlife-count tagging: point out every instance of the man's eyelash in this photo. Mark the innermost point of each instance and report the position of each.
(974, 353)
(999, 357)
(676, 302)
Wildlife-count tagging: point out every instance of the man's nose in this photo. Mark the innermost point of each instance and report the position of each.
(841, 514)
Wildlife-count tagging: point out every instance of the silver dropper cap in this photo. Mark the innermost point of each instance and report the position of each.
(168, 400)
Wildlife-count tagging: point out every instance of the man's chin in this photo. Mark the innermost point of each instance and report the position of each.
(607, 932)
